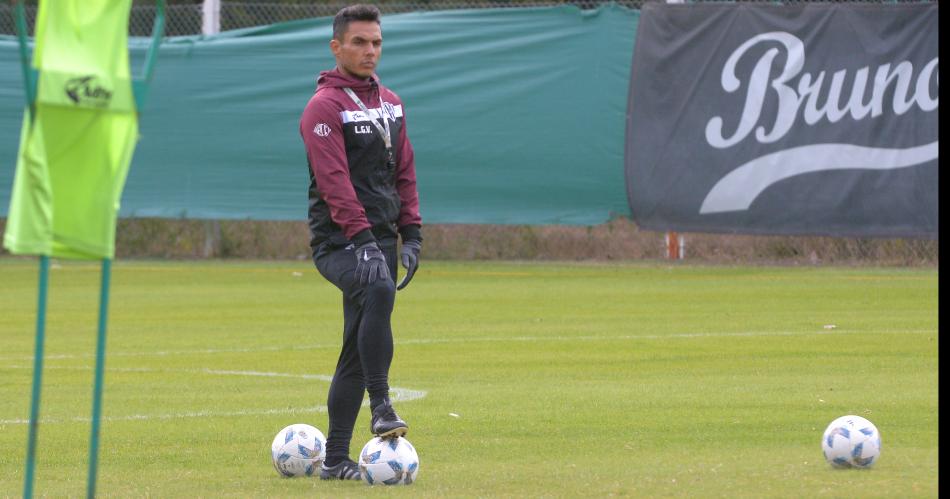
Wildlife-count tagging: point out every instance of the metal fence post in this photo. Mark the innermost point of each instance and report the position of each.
(211, 17)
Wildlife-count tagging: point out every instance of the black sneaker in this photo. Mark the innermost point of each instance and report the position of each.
(386, 423)
(344, 470)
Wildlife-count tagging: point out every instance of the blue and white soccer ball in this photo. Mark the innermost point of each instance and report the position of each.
(298, 450)
(391, 461)
(851, 442)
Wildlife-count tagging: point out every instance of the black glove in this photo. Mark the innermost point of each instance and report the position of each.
(370, 264)
(409, 254)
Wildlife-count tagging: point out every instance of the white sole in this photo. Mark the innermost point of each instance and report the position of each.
(395, 432)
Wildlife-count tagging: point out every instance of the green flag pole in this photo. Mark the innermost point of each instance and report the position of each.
(37, 375)
(139, 88)
(29, 74)
(97, 386)
(29, 77)
(140, 85)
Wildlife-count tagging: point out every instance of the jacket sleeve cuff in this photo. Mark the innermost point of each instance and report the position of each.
(410, 232)
(362, 237)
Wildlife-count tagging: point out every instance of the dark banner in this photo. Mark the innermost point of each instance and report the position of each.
(785, 119)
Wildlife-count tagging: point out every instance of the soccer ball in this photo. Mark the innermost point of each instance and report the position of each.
(391, 461)
(851, 441)
(298, 450)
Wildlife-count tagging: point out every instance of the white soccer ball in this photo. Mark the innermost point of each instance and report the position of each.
(851, 441)
(298, 450)
(391, 461)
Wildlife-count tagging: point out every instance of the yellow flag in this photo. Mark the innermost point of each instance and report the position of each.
(75, 153)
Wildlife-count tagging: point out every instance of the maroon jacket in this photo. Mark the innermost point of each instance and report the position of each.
(354, 195)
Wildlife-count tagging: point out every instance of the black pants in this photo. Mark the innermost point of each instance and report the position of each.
(367, 339)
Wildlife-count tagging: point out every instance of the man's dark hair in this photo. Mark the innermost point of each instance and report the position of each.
(346, 15)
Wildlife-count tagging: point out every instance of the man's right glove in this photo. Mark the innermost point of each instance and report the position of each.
(409, 254)
(370, 264)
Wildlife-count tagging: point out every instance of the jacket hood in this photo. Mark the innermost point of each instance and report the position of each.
(336, 78)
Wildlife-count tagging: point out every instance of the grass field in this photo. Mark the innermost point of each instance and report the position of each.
(570, 380)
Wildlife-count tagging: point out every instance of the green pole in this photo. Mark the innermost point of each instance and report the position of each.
(140, 85)
(100, 368)
(29, 74)
(37, 377)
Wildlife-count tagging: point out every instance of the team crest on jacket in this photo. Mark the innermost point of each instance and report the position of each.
(389, 110)
(322, 129)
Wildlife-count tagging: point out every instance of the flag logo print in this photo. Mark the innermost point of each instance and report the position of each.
(86, 90)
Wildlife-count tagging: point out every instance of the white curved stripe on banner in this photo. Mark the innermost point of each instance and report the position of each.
(740, 187)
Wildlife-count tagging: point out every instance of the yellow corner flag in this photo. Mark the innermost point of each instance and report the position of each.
(74, 154)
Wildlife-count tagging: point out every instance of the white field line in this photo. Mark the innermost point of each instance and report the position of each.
(396, 393)
(634, 337)
(402, 394)
(180, 415)
(173, 353)
(495, 339)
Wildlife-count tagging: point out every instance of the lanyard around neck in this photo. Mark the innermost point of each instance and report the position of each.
(382, 129)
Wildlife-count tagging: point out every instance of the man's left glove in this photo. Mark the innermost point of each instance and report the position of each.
(370, 264)
(409, 254)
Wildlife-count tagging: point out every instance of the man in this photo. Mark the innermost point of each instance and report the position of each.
(362, 195)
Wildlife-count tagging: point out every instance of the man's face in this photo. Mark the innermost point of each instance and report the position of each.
(359, 51)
